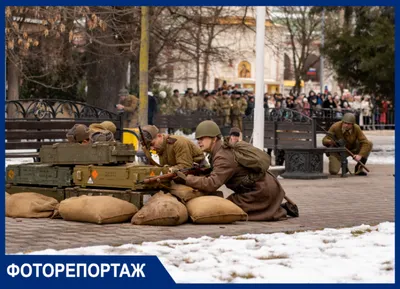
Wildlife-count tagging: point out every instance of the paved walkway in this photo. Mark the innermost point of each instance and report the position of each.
(332, 203)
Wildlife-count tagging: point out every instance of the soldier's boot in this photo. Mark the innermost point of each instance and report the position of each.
(280, 157)
(359, 171)
(292, 210)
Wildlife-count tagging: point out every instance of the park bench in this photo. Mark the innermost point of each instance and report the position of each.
(296, 135)
(29, 124)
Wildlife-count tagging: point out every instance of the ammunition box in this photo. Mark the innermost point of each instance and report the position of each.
(55, 193)
(100, 153)
(128, 176)
(39, 174)
(136, 198)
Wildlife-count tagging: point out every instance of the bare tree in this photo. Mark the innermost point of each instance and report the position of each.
(302, 26)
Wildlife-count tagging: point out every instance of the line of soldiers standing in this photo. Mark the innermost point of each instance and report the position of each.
(231, 106)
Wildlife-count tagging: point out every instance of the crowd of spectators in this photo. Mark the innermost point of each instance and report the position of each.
(373, 112)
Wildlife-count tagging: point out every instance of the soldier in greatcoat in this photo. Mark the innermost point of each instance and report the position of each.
(261, 200)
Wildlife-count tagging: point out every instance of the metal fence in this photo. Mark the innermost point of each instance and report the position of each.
(374, 120)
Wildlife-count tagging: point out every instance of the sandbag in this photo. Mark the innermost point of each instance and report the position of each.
(96, 209)
(214, 210)
(161, 210)
(185, 193)
(101, 136)
(30, 205)
(105, 125)
(7, 195)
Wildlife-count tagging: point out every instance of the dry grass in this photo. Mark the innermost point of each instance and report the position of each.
(357, 233)
(273, 257)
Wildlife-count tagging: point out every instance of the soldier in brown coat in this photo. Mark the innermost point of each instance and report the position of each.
(210, 103)
(190, 101)
(224, 105)
(174, 103)
(261, 200)
(355, 141)
(129, 104)
(239, 106)
(177, 152)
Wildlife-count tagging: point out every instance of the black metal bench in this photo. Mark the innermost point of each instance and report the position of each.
(32, 123)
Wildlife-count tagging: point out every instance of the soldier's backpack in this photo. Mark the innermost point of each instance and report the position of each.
(251, 158)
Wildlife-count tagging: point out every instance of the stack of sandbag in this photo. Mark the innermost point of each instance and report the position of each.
(96, 209)
(161, 210)
(184, 193)
(214, 210)
(30, 205)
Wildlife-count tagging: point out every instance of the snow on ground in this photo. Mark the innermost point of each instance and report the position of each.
(362, 254)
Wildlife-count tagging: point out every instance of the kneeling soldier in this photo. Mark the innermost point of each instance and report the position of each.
(260, 198)
(348, 131)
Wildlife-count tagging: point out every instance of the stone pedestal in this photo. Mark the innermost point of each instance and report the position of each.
(303, 163)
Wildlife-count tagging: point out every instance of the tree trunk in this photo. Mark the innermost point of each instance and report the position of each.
(105, 77)
(144, 67)
(13, 87)
(205, 70)
(198, 57)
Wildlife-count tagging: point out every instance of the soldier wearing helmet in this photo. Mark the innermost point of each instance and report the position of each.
(348, 131)
(129, 105)
(260, 198)
(177, 152)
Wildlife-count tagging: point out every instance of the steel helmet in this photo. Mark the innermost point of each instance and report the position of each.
(150, 132)
(207, 128)
(349, 118)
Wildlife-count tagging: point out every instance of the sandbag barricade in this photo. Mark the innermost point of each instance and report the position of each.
(161, 210)
(214, 210)
(96, 209)
(30, 205)
(185, 193)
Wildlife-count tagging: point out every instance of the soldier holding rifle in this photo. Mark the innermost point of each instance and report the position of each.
(356, 143)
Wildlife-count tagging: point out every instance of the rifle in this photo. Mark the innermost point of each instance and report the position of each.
(347, 150)
(146, 150)
(195, 170)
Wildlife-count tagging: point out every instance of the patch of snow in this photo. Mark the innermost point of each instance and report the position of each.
(362, 254)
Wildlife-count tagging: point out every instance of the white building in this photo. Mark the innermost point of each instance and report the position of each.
(238, 66)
